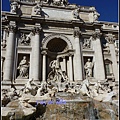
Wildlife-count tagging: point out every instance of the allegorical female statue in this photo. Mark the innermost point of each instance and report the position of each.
(23, 68)
(88, 68)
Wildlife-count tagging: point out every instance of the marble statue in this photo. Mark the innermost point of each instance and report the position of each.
(96, 15)
(85, 88)
(11, 115)
(14, 7)
(76, 13)
(23, 68)
(28, 86)
(88, 68)
(42, 89)
(94, 90)
(57, 77)
(57, 72)
(38, 10)
(105, 97)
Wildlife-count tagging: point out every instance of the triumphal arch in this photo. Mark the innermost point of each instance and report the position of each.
(53, 41)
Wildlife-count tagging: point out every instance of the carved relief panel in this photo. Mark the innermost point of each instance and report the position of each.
(24, 40)
(87, 43)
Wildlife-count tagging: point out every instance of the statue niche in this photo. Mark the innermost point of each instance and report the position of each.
(57, 77)
(23, 68)
(88, 68)
(56, 74)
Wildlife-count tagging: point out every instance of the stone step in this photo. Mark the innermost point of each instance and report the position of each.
(19, 83)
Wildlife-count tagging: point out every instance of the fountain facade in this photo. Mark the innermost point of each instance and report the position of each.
(53, 50)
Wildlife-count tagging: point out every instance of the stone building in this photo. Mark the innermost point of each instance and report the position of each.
(66, 51)
(34, 33)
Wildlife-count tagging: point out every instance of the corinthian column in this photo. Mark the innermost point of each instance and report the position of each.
(10, 51)
(70, 67)
(44, 66)
(36, 55)
(64, 63)
(78, 71)
(99, 70)
(110, 39)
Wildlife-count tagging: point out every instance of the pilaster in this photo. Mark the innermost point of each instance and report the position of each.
(111, 39)
(10, 52)
(99, 70)
(70, 67)
(78, 71)
(44, 65)
(36, 56)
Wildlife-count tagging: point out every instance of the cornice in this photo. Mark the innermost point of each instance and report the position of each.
(72, 23)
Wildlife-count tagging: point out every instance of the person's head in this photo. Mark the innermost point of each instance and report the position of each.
(24, 57)
(88, 59)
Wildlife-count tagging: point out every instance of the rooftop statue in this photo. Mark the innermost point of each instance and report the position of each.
(14, 7)
(76, 13)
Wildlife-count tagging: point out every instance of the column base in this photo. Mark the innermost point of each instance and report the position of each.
(6, 82)
(78, 81)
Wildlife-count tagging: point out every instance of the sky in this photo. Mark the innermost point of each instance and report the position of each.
(108, 9)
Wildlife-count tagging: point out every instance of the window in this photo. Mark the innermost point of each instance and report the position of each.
(107, 68)
(117, 44)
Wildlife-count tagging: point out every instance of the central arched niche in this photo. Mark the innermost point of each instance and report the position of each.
(57, 45)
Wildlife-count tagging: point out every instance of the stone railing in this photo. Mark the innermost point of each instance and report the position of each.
(24, 0)
(110, 26)
(27, 0)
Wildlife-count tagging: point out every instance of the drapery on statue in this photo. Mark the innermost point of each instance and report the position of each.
(28, 88)
(88, 68)
(56, 74)
(23, 68)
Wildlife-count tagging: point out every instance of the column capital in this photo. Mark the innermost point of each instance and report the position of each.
(2, 58)
(5, 29)
(63, 57)
(96, 34)
(37, 30)
(44, 52)
(110, 38)
(12, 28)
(70, 54)
(77, 32)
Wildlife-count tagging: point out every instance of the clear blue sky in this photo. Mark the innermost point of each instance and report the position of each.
(108, 9)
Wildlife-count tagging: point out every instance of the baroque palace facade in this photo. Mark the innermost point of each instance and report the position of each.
(39, 32)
